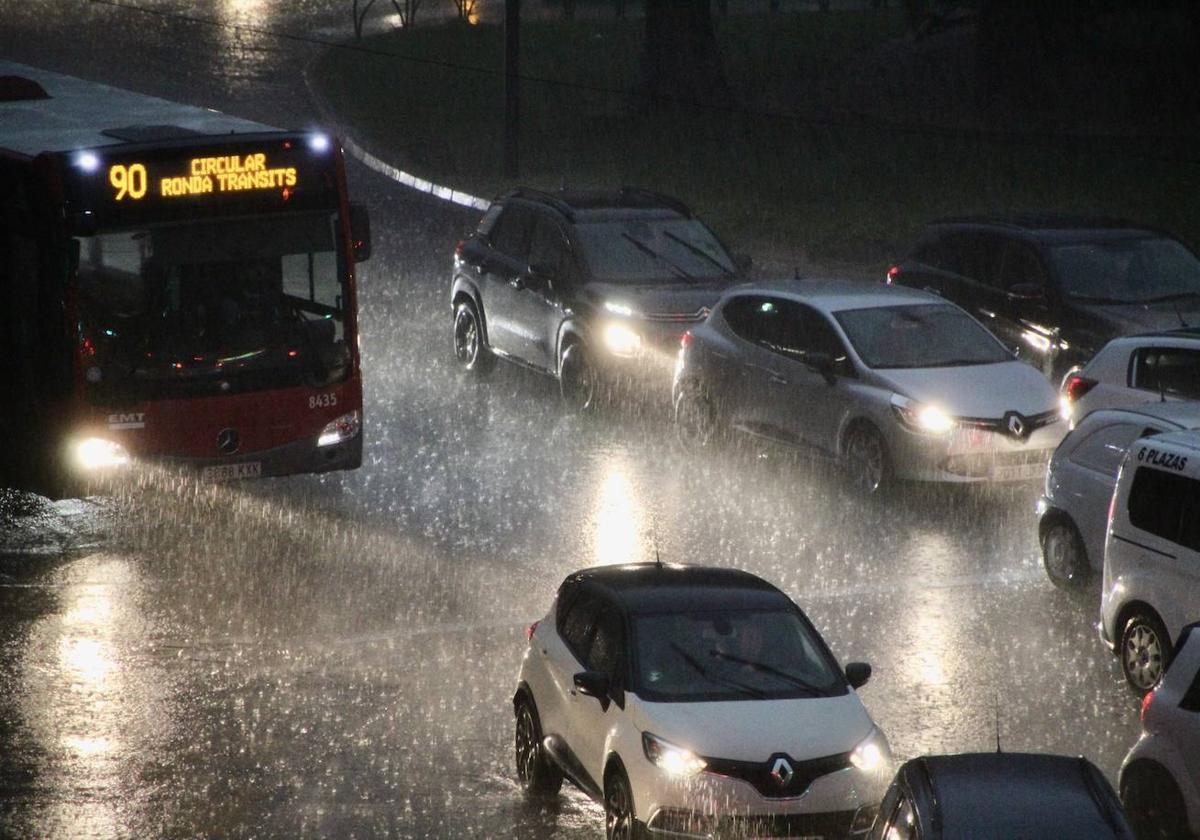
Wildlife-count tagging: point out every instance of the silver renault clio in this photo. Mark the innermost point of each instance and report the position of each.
(894, 383)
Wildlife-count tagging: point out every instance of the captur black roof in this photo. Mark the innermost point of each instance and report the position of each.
(1020, 796)
(1038, 221)
(571, 202)
(650, 587)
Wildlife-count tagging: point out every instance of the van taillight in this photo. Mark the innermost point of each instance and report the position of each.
(1146, 701)
(530, 630)
(1077, 386)
(892, 274)
(686, 339)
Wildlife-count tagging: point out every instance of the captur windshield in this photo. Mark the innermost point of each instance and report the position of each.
(919, 336)
(731, 655)
(1143, 270)
(643, 250)
(212, 307)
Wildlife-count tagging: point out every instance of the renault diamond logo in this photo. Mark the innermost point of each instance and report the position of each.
(228, 441)
(1016, 424)
(782, 771)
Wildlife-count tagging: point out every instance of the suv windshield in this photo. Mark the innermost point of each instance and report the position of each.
(730, 655)
(647, 250)
(919, 336)
(212, 307)
(1143, 270)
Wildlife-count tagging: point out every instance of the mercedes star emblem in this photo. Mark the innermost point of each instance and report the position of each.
(228, 441)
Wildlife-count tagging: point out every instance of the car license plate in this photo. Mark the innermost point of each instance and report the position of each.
(1018, 472)
(232, 472)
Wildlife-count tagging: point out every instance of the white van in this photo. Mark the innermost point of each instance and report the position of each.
(1152, 555)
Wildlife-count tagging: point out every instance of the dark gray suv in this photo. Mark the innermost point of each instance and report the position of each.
(594, 288)
(1057, 288)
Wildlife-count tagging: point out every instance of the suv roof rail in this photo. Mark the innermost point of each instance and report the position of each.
(541, 195)
(640, 197)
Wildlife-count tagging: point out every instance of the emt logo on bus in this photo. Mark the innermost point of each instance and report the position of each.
(223, 173)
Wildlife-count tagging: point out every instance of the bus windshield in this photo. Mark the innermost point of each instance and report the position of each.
(213, 307)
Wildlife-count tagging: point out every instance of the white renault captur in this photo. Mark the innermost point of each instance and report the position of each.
(1152, 555)
(696, 702)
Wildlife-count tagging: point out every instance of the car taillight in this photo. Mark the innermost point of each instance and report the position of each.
(1077, 386)
(893, 273)
(458, 249)
(1146, 701)
(530, 630)
(686, 339)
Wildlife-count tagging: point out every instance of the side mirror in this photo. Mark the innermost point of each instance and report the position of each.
(743, 263)
(1026, 291)
(360, 232)
(822, 363)
(857, 674)
(593, 684)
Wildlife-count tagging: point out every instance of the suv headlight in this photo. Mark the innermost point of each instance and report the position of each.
(340, 430)
(872, 753)
(675, 760)
(921, 417)
(622, 340)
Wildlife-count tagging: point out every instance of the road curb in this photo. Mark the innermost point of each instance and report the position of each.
(439, 191)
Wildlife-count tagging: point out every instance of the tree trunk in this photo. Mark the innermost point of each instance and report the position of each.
(681, 62)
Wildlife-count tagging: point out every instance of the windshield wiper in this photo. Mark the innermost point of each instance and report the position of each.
(1167, 298)
(1097, 299)
(650, 252)
(698, 251)
(764, 668)
(704, 672)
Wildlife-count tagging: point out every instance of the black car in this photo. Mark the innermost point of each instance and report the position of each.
(1016, 796)
(1057, 288)
(590, 287)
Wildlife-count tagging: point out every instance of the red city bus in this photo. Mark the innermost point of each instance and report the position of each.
(176, 285)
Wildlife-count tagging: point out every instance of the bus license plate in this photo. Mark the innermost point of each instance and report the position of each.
(232, 472)
(1018, 472)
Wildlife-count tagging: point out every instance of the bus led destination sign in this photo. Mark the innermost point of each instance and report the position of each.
(201, 175)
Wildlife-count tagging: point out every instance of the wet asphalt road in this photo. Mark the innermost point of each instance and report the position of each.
(334, 656)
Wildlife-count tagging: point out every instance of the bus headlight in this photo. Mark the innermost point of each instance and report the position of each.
(340, 430)
(100, 453)
(621, 340)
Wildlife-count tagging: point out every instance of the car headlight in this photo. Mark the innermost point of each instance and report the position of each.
(675, 760)
(921, 417)
(96, 453)
(340, 430)
(872, 753)
(622, 340)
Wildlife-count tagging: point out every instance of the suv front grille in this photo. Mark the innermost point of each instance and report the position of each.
(758, 773)
(677, 317)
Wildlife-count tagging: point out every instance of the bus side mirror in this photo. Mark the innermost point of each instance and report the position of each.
(360, 232)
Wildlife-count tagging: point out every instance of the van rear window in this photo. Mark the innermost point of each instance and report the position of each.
(1166, 505)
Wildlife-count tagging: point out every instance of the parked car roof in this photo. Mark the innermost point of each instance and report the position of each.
(582, 205)
(836, 295)
(1183, 413)
(647, 587)
(1184, 439)
(1021, 795)
(1046, 221)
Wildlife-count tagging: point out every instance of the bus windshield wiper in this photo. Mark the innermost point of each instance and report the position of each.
(650, 252)
(764, 668)
(698, 251)
(704, 672)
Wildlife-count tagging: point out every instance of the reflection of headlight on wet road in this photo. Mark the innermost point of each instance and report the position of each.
(340, 430)
(98, 453)
(621, 340)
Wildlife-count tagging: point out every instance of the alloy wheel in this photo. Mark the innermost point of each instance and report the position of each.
(1143, 656)
(618, 816)
(864, 457)
(466, 336)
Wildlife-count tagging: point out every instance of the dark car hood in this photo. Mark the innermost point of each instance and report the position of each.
(677, 299)
(1110, 320)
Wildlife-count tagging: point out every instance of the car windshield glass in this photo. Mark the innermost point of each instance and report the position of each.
(730, 655)
(212, 307)
(919, 336)
(1142, 270)
(648, 250)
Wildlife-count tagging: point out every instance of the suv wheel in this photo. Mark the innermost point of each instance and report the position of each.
(1145, 651)
(1153, 803)
(620, 823)
(1064, 555)
(536, 772)
(578, 380)
(865, 460)
(696, 423)
(472, 356)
